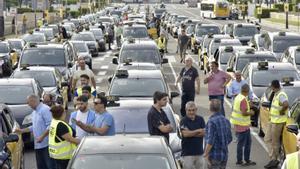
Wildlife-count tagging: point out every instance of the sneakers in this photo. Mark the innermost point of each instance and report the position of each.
(239, 163)
(249, 163)
(272, 164)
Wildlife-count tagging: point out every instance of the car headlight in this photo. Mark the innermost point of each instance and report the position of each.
(27, 120)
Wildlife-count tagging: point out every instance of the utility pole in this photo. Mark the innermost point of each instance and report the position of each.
(1, 18)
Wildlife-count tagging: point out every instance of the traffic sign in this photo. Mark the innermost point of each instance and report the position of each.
(259, 10)
(13, 11)
(286, 7)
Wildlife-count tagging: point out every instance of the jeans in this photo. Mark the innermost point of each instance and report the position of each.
(61, 164)
(193, 162)
(221, 98)
(118, 39)
(214, 164)
(186, 97)
(43, 160)
(243, 145)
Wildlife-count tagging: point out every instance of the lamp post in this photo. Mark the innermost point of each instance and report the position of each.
(1, 19)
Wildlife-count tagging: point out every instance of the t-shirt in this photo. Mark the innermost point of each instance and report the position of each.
(105, 119)
(80, 72)
(192, 145)
(154, 121)
(83, 118)
(188, 79)
(61, 130)
(183, 40)
(215, 84)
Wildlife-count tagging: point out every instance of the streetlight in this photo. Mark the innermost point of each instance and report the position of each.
(1, 19)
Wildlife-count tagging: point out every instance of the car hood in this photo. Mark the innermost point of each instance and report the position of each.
(51, 90)
(20, 111)
(83, 53)
(259, 91)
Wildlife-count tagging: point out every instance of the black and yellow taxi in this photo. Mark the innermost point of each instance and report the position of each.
(291, 88)
(49, 78)
(278, 42)
(292, 55)
(200, 31)
(11, 144)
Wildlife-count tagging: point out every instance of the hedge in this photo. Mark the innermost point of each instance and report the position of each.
(280, 7)
(24, 10)
(265, 12)
(75, 14)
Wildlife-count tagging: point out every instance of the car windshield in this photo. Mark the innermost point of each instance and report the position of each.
(34, 38)
(135, 32)
(45, 78)
(140, 55)
(4, 48)
(83, 37)
(81, 47)
(243, 61)
(225, 57)
(263, 78)
(159, 11)
(297, 58)
(128, 125)
(43, 57)
(109, 20)
(121, 161)
(292, 92)
(139, 87)
(48, 33)
(245, 31)
(16, 44)
(180, 19)
(206, 30)
(22, 91)
(280, 45)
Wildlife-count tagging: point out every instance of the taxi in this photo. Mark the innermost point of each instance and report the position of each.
(288, 139)
(11, 144)
(292, 55)
(244, 32)
(278, 42)
(49, 78)
(200, 31)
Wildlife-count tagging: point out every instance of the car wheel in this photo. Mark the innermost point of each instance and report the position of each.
(260, 131)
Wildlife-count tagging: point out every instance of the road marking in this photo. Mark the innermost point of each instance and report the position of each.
(171, 58)
(253, 133)
(99, 79)
(175, 76)
(101, 73)
(99, 59)
(104, 67)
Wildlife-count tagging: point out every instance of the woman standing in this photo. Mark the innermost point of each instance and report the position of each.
(62, 141)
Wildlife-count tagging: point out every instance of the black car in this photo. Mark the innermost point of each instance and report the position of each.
(5, 62)
(14, 92)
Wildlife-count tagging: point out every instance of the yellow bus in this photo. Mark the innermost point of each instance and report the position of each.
(214, 9)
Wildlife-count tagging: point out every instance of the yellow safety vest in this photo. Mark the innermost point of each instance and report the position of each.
(39, 23)
(62, 150)
(276, 108)
(237, 117)
(292, 161)
(79, 90)
(161, 43)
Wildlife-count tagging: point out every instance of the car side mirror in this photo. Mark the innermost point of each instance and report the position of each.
(174, 94)
(165, 60)
(13, 137)
(293, 128)
(265, 104)
(229, 69)
(109, 79)
(116, 54)
(64, 84)
(70, 65)
(115, 60)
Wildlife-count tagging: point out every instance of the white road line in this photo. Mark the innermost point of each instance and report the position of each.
(99, 59)
(171, 58)
(99, 79)
(253, 133)
(104, 67)
(101, 73)
(175, 76)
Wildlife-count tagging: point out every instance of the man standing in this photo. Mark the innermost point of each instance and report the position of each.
(278, 115)
(193, 129)
(119, 33)
(82, 69)
(110, 36)
(183, 41)
(83, 114)
(84, 81)
(161, 41)
(104, 124)
(235, 87)
(217, 137)
(217, 81)
(240, 118)
(188, 76)
(41, 120)
(24, 24)
(158, 122)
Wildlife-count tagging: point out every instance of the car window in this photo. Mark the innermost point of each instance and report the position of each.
(295, 113)
(43, 57)
(6, 129)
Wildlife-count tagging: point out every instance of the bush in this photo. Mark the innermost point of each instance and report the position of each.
(72, 2)
(23, 10)
(280, 7)
(75, 14)
(265, 12)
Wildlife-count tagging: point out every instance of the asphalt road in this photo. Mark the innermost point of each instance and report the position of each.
(103, 69)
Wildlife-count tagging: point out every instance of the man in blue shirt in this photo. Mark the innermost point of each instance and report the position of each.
(104, 124)
(217, 137)
(193, 129)
(41, 120)
(235, 87)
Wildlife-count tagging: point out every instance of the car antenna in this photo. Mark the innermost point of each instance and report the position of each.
(124, 129)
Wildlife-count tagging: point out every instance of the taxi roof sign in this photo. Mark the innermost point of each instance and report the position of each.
(228, 49)
(250, 51)
(128, 61)
(287, 80)
(282, 33)
(263, 65)
(122, 73)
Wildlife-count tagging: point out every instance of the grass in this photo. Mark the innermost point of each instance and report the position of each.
(282, 21)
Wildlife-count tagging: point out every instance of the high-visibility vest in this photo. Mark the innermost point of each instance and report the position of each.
(276, 108)
(39, 23)
(292, 161)
(79, 90)
(237, 117)
(161, 43)
(62, 150)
